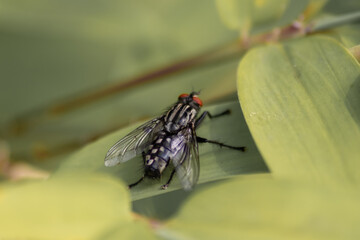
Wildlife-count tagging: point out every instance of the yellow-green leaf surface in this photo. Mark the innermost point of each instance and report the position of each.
(135, 230)
(300, 100)
(255, 208)
(216, 163)
(69, 207)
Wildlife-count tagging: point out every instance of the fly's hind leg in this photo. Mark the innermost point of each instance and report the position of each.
(204, 140)
(165, 186)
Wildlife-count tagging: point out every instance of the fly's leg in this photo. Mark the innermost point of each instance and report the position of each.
(204, 140)
(206, 113)
(136, 183)
(168, 182)
(141, 179)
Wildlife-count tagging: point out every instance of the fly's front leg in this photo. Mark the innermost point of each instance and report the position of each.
(206, 113)
(204, 140)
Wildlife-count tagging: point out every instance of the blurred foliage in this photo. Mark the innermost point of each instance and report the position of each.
(72, 207)
(299, 98)
(248, 15)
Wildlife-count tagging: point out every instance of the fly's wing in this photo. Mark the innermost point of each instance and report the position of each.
(133, 143)
(186, 161)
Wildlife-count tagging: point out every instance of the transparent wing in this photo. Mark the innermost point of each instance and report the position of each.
(186, 162)
(133, 143)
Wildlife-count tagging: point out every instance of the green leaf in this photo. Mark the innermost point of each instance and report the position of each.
(261, 208)
(334, 21)
(263, 15)
(67, 207)
(243, 15)
(341, 7)
(348, 35)
(216, 163)
(300, 100)
(139, 230)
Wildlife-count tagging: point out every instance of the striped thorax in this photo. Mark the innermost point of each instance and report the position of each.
(179, 117)
(172, 138)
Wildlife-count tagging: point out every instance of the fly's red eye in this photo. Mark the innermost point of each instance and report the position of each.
(198, 101)
(184, 95)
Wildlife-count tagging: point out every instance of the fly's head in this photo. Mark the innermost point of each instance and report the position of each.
(191, 99)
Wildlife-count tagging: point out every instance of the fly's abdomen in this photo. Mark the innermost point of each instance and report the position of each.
(158, 156)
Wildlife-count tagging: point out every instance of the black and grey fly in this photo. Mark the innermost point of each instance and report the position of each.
(170, 138)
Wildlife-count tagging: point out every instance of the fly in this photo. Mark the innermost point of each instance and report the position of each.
(170, 138)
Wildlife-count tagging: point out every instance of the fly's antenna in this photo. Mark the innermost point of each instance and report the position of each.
(193, 93)
(193, 90)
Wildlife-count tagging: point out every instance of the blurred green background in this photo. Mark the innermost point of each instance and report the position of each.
(54, 51)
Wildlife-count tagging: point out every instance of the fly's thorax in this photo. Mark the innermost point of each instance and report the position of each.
(179, 116)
